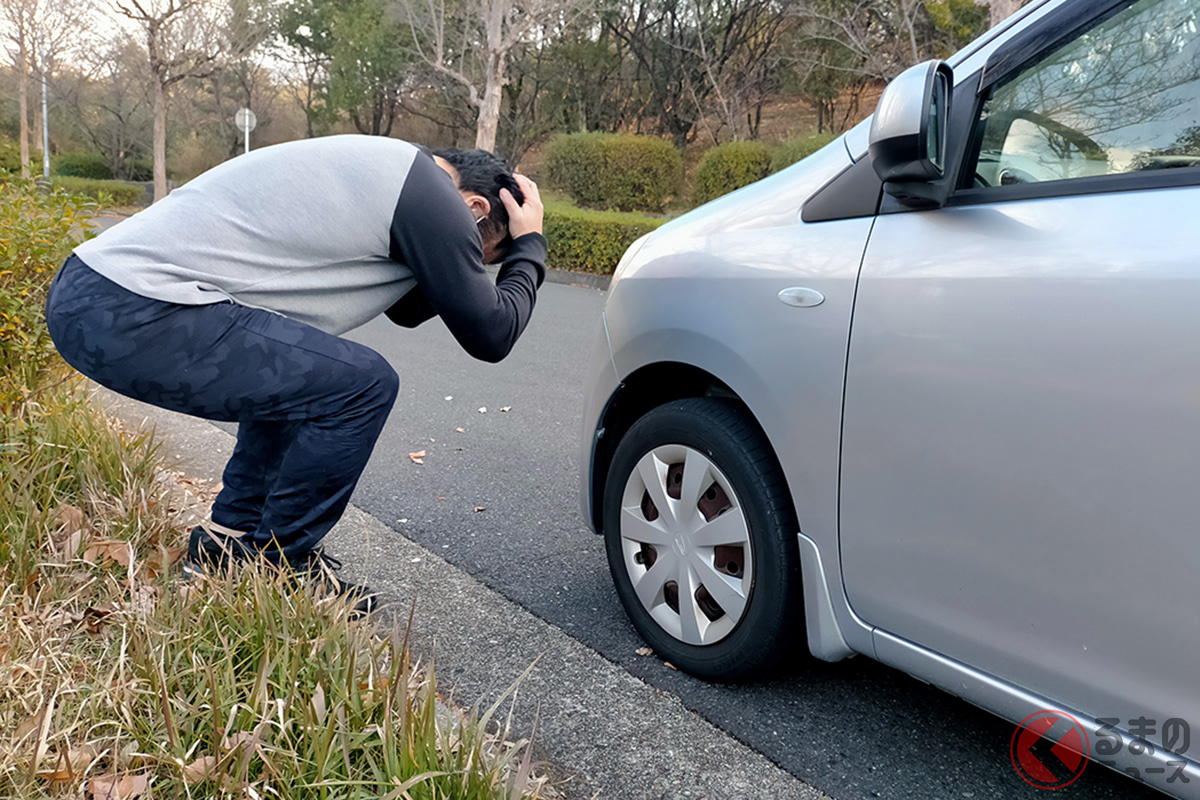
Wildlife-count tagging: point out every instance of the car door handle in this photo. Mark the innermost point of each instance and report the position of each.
(801, 297)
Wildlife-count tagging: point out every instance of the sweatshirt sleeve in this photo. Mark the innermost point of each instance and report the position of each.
(434, 233)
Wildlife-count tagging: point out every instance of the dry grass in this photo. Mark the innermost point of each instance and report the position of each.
(118, 679)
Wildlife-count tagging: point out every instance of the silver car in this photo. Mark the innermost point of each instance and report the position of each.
(932, 395)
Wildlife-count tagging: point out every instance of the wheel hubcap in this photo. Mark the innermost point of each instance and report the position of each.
(686, 544)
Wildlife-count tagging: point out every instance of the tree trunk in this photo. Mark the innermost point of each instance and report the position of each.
(489, 107)
(23, 105)
(1000, 10)
(493, 87)
(160, 140)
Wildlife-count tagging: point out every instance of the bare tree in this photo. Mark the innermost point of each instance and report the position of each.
(470, 44)
(737, 44)
(881, 37)
(108, 97)
(38, 31)
(183, 39)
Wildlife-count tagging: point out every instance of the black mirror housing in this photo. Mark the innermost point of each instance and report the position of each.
(908, 133)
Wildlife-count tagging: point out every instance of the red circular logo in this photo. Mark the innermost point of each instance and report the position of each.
(1049, 749)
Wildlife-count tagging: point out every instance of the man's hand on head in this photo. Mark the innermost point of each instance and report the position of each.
(527, 218)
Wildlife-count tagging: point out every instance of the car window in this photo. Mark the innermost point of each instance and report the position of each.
(1122, 97)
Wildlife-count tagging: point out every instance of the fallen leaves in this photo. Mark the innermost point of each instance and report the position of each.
(94, 618)
(69, 767)
(67, 538)
(506, 409)
(483, 409)
(118, 787)
(417, 457)
(199, 770)
(480, 508)
(102, 553)
(461, 430)
(644, 651)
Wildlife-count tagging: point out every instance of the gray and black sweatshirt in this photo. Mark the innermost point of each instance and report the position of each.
(331, 232)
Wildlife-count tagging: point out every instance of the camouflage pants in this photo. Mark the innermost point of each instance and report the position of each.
(309, 405)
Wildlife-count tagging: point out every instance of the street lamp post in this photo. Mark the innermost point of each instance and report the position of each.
(45, 120)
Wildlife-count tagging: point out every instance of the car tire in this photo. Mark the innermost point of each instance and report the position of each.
(740, 611)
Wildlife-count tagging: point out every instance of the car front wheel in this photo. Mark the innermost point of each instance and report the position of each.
(701, 540)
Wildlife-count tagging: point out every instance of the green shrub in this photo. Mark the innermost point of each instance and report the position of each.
(37, 231)
(615, 171)
(793, 150)
(109, 193)
(10, 156)
(591, 241)
(83, 165)
(730, 166)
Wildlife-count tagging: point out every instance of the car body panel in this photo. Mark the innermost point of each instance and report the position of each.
(1020, 444)
(603, 383)
(1159, 768)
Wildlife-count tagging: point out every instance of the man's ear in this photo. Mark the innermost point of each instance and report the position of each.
(479, 205)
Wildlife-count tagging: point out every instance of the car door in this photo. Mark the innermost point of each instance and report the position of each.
(1021, 444)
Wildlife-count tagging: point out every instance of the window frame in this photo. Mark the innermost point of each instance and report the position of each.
(1021, 53)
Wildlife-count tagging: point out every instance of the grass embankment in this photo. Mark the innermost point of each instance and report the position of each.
(117, 680)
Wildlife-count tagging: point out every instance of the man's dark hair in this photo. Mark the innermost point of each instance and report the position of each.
(485, 174)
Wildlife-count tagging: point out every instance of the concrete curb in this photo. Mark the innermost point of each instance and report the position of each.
(589, 279)
(605, 733)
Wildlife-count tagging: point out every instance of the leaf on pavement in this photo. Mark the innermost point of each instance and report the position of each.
(644, 651)
(417, 457)
(480, 508)
(114, 787)
(483, 409)
(669, 665)
(506, 409)
(461, 430)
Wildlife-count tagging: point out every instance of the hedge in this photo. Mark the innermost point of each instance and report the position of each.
(730, 166)
(793, 150)
(615, 171)
(113, 193)
(83, 165)
(591, 241)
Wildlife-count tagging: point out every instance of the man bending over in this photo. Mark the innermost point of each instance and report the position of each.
(226, 301)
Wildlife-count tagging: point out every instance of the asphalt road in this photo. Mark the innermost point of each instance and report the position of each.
(498, 500)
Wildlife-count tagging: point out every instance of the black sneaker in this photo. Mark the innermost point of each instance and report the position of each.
(212, 552)
(318, 567)
(208, 552)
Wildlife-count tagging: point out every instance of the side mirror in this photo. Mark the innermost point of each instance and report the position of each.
(908, 132)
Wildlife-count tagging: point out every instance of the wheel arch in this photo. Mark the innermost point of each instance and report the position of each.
(654, 384)
(644, 389)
